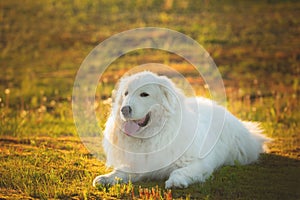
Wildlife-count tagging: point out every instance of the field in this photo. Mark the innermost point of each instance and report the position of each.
(255, 44)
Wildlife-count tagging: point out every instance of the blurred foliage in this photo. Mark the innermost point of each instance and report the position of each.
(255, 44)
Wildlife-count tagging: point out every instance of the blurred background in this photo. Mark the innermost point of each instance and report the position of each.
(255, 45)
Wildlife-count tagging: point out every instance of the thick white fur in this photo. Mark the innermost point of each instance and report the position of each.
(238, 141)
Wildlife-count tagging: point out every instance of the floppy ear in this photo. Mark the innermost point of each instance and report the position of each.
(117, 96)
(171, 95)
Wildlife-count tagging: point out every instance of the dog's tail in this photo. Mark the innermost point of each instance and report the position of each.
(257, 132)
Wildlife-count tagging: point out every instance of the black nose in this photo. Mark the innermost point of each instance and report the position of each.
(126, 111)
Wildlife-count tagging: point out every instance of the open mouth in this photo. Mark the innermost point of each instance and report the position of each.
(144, 121)
(131, 127)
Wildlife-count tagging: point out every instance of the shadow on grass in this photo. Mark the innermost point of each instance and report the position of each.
(273, 177)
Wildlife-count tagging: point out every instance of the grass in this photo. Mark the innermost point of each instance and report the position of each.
(255, 45)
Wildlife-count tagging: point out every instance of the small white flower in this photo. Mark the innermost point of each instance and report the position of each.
(52, 103)
(7, 91)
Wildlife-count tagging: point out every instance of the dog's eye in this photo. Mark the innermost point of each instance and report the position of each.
(144, 94)
(126, 93)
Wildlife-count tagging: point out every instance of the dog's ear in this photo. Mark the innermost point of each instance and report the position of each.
(117, 95)
(171, 95)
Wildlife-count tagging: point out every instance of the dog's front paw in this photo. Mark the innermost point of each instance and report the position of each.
(104, 180)
(176, 181)
(111, 178)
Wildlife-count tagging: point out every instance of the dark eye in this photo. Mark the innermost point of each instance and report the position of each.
(144, 94)
(126, 93)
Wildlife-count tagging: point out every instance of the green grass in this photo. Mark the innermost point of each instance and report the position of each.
(42, 44)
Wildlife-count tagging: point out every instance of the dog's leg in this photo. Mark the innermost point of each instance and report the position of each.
(112, 178)
(183, 177)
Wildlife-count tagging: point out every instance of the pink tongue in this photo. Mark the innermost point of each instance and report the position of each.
(130, 127)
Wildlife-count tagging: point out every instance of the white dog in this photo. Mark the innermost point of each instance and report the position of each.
(156, 132)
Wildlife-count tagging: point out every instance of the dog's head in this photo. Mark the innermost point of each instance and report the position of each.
(143, 99)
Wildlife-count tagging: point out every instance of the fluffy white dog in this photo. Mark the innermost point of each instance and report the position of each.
(156, 132)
